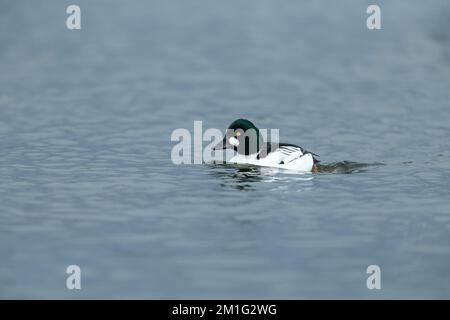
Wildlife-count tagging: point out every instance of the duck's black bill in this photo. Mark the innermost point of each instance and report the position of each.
(224, 144)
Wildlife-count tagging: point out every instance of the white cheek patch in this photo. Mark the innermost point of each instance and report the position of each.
(234, 142)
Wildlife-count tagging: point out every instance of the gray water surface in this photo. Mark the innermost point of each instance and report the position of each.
(86, 176)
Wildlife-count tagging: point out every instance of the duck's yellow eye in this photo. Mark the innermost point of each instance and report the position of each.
(238, 133)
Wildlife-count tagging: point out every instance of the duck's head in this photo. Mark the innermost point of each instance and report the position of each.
(243, 137)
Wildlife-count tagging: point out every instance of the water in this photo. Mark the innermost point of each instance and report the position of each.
(85, 170)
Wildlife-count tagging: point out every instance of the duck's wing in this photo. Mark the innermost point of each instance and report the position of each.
(287, 151)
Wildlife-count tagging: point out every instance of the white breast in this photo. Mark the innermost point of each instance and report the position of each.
(294, 160)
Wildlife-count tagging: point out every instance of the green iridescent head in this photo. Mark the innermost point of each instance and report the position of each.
(243, 137)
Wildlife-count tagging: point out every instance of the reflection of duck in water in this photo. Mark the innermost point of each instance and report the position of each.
(243, 137)
(239, 177)
(245, 177)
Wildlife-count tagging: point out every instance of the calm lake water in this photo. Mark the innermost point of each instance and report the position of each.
(86, 176)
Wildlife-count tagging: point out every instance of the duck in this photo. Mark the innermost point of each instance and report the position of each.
(245, 139)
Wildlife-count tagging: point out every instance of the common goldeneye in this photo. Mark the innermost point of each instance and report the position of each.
(245, 139)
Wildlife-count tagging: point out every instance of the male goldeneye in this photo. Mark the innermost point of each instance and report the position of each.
(245, 139)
